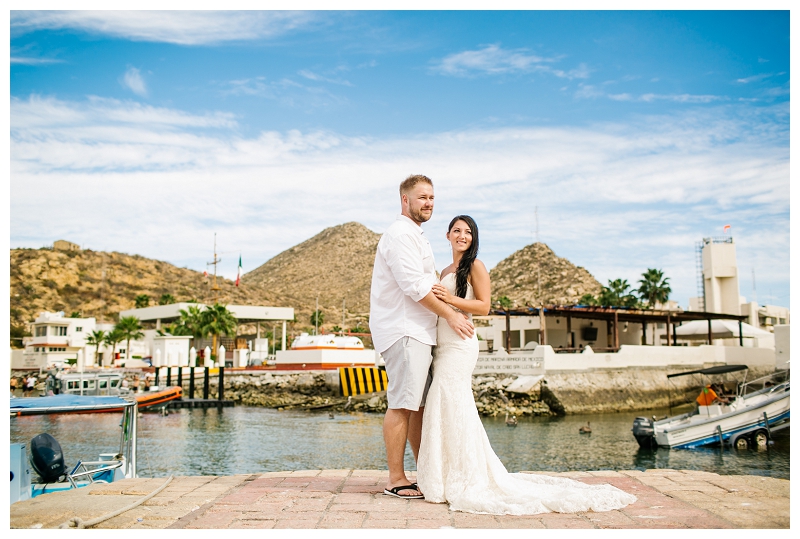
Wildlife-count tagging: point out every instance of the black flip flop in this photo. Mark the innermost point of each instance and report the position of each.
(396, 492)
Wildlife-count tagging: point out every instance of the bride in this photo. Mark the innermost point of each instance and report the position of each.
(456, 464)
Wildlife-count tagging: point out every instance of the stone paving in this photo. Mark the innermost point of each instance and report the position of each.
(354, 499)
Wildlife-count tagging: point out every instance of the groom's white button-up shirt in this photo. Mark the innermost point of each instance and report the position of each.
(403, 274)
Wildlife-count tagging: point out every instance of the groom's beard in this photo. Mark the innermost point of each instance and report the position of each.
(418, 216)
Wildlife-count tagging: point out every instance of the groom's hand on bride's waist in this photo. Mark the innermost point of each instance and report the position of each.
(459, 323)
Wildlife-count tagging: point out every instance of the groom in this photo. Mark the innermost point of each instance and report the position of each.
(403, 316)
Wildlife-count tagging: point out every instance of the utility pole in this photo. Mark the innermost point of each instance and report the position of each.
(216, 261)
(343, 311)
(538, 263)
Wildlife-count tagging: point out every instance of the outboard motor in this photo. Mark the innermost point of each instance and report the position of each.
(47, 458)
(644, 433)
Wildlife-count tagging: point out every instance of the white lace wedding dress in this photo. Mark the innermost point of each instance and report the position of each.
(456, 462)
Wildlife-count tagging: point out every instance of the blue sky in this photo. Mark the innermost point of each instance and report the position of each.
(631, 135)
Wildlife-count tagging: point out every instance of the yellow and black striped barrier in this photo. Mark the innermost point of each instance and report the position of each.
(361, 380)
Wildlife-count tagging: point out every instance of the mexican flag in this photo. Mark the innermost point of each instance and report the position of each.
(239, 273)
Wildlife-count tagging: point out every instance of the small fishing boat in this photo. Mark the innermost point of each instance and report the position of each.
(746, 417)
(88, 404)
(45, 456)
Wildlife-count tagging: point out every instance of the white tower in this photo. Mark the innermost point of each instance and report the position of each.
(720, 276)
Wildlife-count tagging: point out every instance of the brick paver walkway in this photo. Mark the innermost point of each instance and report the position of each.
(354, 499)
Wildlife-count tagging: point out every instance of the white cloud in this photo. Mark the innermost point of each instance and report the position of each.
(754, 78)
(132, 79)
(491, 59)
(286, 91)
(591, 92)
(33, 61)
(179, 27)
(310, 75)
(611, 197)
(681, 98)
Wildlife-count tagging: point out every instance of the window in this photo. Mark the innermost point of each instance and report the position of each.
(58, 349)
(73, 384)
(60, 331)
(78, 328)
(41, 331)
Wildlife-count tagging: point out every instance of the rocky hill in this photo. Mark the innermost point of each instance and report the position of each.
(536, 268)
(100, 285)
(334, 265)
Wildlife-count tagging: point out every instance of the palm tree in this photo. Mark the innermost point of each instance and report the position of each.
(617, 294)
(588, 299)
(130, 329)
(96, 338)
(112, 338)
(142, 301)
(218, 321)
(175, 328)
(504, 302)
(317, 319)
(192, 319)
(654, 287)
(166, 299)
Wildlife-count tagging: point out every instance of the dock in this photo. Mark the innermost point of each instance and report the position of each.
(354, 499)
(198, 403)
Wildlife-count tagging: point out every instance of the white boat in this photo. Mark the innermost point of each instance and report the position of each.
(326, 342)
(45, 456)
(745, 418)
(326, 352)
(95, 383)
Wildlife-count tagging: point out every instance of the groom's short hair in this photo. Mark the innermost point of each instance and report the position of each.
(412, 181)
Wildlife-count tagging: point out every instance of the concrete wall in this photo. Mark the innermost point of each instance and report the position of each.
(782, 347)
(635, 378)
(659, 356)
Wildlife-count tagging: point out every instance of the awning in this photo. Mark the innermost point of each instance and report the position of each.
(720, 329)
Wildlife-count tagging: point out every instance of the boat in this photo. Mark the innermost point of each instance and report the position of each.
(746, 417)
(326, 352)
(46, 457)
(86, 383)
(90, 404)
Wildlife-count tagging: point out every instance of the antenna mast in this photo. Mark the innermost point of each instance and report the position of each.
(216, 261)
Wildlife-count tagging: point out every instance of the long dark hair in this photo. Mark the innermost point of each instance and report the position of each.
(465, 264)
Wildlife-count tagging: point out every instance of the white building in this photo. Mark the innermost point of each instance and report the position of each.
(720, 280)
(57, 341)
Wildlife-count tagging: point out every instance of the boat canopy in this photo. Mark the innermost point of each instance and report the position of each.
(722, 369)
(66, 402)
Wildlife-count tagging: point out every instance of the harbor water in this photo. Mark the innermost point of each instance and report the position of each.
(245, 440)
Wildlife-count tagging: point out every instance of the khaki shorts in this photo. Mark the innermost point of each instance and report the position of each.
(408, 368)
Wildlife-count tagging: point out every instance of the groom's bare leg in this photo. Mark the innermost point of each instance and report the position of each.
(415, 431)
(395, 434)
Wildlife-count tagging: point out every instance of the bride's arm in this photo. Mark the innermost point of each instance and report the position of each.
(479, 277)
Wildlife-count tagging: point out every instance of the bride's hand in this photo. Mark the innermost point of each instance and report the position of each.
(442, 293)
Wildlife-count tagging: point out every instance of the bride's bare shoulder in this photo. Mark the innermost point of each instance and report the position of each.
(446, 271)
(479, 267)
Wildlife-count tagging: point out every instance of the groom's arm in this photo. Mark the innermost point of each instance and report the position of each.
(457, 321)
(403, 259)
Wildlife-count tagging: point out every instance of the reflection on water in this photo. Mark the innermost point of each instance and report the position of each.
(244, 440)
